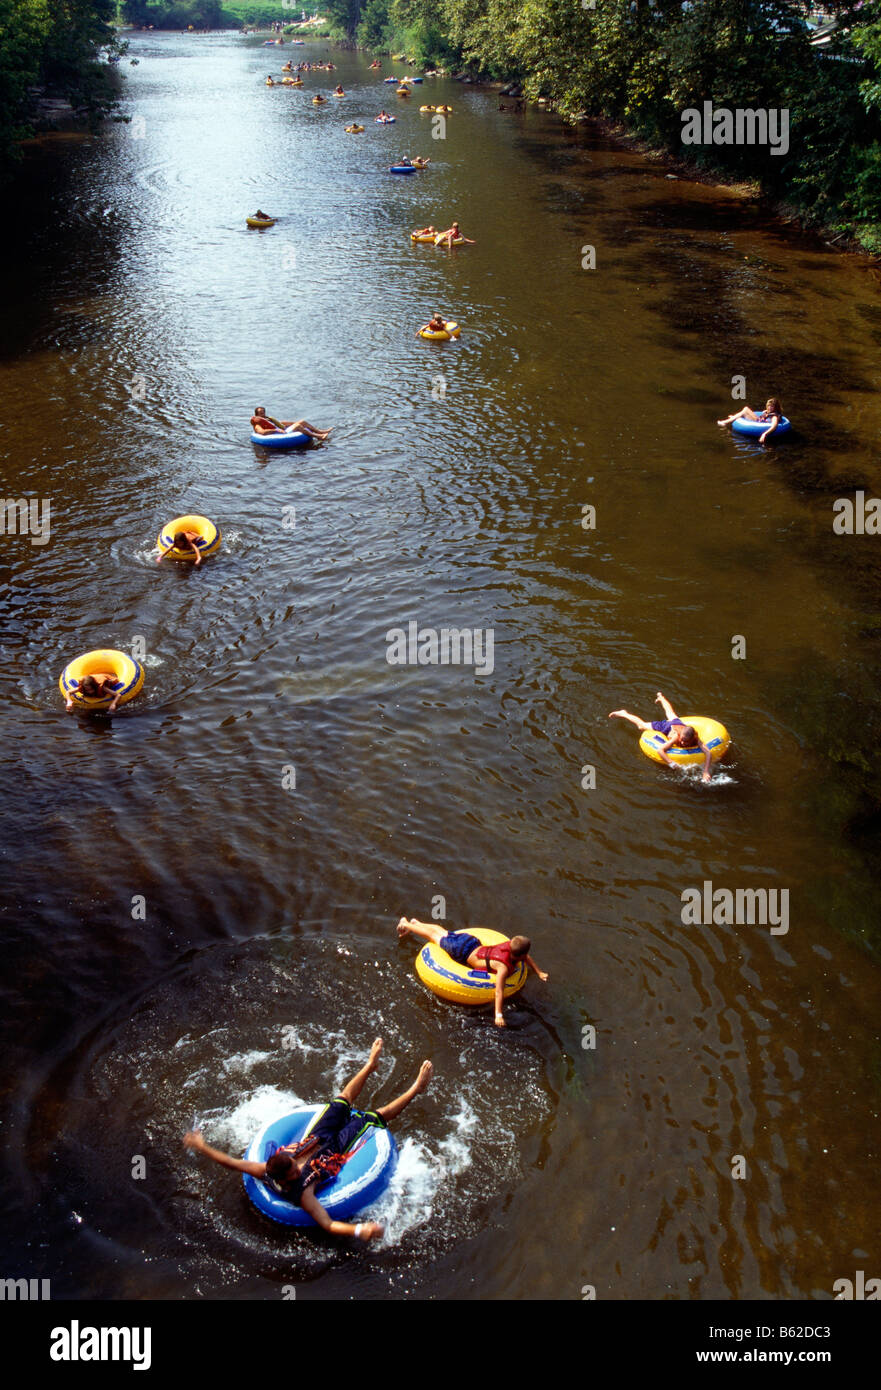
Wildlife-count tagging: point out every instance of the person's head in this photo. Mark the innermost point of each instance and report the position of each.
(688, 736)
(455, 227)
(280, 1166)
(520, 946)
(90, 687)
(180, 541)
(259, 409)
(773, 406)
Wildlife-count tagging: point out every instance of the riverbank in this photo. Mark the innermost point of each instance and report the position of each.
(679, 166)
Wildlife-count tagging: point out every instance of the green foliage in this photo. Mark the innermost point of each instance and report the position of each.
(644, 62)
(52, 48)
(180, 14)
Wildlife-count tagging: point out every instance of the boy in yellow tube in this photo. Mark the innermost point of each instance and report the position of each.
(677, 733)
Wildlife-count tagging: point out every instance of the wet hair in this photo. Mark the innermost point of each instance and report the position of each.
(689, 736)
(180, 541)
(774, 406)
(280, 1166)
(258, 408)
(89, 686)
(521, 945)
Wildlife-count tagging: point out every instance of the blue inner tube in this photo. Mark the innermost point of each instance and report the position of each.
(403, 169)
(385, 120)
(386, 80)
(357, 1185)
(281, 441)
(753, 428)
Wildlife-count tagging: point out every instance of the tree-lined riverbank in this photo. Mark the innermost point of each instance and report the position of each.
(644, 63)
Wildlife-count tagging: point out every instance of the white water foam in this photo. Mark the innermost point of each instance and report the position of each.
(422, 1178)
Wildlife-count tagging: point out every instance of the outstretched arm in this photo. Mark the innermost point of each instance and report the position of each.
(542, 974)
(364, 1230)
(501, 977)
(662, 752)
(194, 1140)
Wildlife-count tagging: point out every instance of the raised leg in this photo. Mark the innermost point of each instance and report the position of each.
(668, 708)
(352, 1089)
(311, 429)
(394, 1107)
(634, 718)
(744, 414)
(429, 930)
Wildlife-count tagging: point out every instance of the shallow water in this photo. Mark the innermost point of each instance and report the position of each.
(147, 322)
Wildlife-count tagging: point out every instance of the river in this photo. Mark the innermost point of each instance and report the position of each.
(200, 894)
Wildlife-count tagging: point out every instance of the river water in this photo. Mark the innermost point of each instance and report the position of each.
(200, 894)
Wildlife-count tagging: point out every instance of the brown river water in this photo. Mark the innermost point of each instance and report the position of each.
(188, 939)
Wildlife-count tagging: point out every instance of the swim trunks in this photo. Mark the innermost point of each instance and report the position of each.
(664, 726)
(459, 945)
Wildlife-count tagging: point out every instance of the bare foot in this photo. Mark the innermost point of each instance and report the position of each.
(375, 1050)
(618, 714)
(724, 422)
(426, 1072)
(403, 928)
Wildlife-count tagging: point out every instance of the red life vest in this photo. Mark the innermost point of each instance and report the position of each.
(501, 953)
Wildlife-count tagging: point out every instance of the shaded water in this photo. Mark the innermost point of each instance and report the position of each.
(147, 321)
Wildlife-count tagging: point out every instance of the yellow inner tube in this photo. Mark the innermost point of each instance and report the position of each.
(319, 101)
(710, 732)
(451, 331)
(269, 82)
(423, 239)
(445, 110)
(428, 108)
(260, 221)
(298, 82)
(419, 163)
(354, 129)
(441, 240)
(208, 537)
(402, 91)
(459, 984)
(129, 676)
